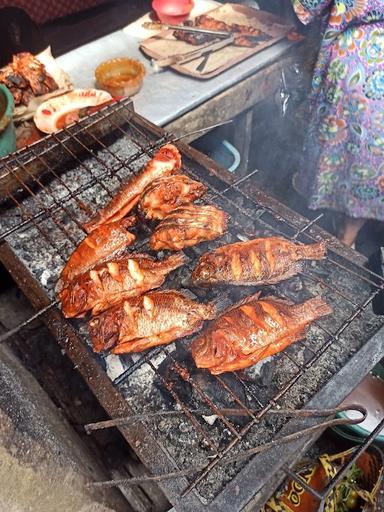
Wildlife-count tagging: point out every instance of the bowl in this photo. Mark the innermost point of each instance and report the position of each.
(369, 394)
(120, 77)
(172, 11)
(7, 128)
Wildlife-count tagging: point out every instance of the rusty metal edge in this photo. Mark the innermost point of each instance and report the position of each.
(262, 476)
(142, 442)
(144, 445)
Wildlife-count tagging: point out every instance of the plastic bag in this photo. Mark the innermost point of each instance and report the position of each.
(293, 90)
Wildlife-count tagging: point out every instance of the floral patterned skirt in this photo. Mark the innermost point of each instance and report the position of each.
(342, 166)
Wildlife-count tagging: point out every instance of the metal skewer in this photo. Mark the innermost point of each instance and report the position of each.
(163, 26)
(302, 413)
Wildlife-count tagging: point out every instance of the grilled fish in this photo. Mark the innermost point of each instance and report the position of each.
(165, 194)
(259, 261)
(165, 162)
(111, 282)
(188, 225)
(244, 35)
(157, 318)
(107, 240)
(254, 330)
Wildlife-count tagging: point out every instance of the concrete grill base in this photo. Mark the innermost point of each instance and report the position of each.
(43, 464)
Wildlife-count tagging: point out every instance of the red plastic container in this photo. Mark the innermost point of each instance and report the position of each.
(172, 11)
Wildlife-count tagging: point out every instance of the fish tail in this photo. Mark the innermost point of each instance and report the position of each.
(315, 308)
(211, 310)
(312, 252)
(177, 260)
(128, 222)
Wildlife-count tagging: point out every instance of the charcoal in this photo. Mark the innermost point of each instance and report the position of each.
(165, 378)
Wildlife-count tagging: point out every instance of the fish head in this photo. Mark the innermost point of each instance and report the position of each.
(210, 349)
(105, 329)
(210, 269)
(73, 300)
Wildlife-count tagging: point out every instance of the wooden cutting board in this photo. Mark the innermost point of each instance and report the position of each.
(164, 45)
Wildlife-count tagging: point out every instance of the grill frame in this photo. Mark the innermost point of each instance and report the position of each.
(138, 436)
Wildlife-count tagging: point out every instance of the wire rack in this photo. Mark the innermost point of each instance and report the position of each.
(54, 186)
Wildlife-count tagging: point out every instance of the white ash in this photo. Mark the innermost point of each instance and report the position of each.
(210, 419)
(114, 366)
(177, 436)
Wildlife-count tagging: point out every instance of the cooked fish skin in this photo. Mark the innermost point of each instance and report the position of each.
(255, 262)
(105, 242)
(189, 225)
(254, 330)
(165, 162)
(244, 35)
(111, 282)
(156, 318)
(165, 194)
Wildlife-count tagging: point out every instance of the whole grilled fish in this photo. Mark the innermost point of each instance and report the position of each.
(165, 194)
(105, 241)
(109, 283)
(189, 225)
(259, 261)
(156, 318)
(253, 330)
(165, 162)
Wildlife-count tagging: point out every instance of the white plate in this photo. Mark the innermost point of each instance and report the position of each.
(54, 114)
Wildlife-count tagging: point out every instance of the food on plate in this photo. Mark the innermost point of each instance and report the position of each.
(61, 111)
(103, 243)
(165, 194)
(156, 318)
(113, 281)
(121, 76)
(253, 330)
(189, 225)
(244, 35)
(259, 261)
(166, 161)
(26, 77)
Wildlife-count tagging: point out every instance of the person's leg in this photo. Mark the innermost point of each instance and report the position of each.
(350, 229)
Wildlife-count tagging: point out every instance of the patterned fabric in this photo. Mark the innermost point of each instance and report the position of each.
(342, 167)
(42, 11)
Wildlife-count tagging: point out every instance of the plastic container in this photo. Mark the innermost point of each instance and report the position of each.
(227, 155)
(7, 128)
(369, 394)
(120, 77)
(220, 150)
(172, 11)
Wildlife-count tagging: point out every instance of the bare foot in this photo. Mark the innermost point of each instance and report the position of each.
(350, 230)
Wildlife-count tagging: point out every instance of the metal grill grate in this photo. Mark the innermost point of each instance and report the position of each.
(56, 185)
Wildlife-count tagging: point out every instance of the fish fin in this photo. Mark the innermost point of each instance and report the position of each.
(187, 293)
(140, 344)
(315, 308)
(130, 221)
(59, 286)
(278, 346)
(315, 251)
(295, 269)
(246, 300)
(176, 260)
